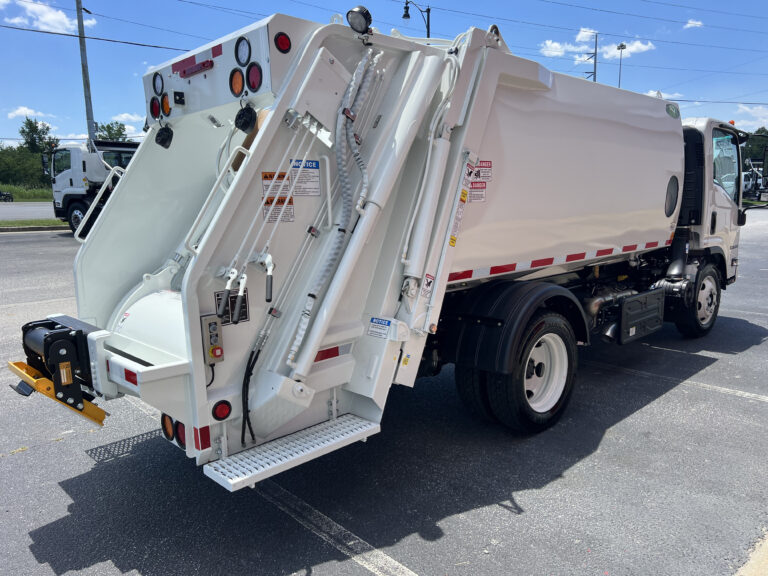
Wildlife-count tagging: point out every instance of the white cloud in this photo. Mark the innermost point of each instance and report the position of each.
(26, 111)
(44, 17)
(693, 24)
(554, 49)
(4, 3)
(665, 95)
(585, 34)
(758, 116)
(126, 117)
(18, 21)
(635, 47)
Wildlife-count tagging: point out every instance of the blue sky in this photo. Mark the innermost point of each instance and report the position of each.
(713, 54)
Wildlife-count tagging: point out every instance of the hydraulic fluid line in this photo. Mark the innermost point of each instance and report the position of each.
(352, 137)
(353, 99)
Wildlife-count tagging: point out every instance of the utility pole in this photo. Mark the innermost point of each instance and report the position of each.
(86, 79)
(593, 56)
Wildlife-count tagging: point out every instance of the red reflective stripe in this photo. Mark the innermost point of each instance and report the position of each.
(216, 51)
(181, 64)
(542, 262)
(668, 242)
(459, 275)
(629, 248)
(504, 268)
(574, 257)
(604, 252)
(327, 354)
(131, 377)
(203, 438)
(651, 244)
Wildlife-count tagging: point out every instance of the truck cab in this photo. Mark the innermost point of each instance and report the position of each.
(77, 173)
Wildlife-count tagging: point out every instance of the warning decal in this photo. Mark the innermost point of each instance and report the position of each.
(427, 285)
(289, 214)
(281, 185)
(476, 178)
(459, 216)
(308, 182)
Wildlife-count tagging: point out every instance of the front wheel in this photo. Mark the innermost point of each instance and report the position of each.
(75, 215)
(698, 318)
(534, 396)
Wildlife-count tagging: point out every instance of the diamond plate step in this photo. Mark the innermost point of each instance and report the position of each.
(259, 463)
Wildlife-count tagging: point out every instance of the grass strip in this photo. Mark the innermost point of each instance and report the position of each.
(30, 222)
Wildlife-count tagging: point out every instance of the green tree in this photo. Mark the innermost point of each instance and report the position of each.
(36, 136)
(756, 144)
(114, 131)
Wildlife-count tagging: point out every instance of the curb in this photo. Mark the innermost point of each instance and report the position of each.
(31, 228)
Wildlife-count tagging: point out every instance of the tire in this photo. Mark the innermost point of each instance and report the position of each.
(534, 396)
(75, 215)
(471, 384)
(697, 320)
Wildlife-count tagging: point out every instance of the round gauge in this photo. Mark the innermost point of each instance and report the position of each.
(157, 83)
(242, 51)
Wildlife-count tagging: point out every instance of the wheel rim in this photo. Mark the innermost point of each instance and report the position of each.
(77, 218)
(546, 373)
(706, 302)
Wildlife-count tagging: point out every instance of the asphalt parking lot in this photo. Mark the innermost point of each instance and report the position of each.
(658, 467)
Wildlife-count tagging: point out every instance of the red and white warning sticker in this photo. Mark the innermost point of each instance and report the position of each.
(476, 178)
(427, 285)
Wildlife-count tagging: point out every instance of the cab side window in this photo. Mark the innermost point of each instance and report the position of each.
(725, 168)
(61, 161)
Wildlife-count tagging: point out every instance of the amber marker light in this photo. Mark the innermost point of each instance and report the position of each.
(166, 425)
(165, 105)
(236, 82)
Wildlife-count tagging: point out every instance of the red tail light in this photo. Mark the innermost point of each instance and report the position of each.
(254, 77)
(221, 410)
(154, 108)
(181, 435)
(282, 42)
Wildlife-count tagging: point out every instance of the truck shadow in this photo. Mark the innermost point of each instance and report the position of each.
(144, 507)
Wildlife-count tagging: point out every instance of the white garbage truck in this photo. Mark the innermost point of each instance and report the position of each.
(336, 211)
(79, 171)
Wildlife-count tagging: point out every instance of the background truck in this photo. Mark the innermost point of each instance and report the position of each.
(78, 172)
(336, 211)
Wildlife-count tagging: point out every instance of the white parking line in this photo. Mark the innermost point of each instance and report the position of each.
(721, 389)
(357, 549)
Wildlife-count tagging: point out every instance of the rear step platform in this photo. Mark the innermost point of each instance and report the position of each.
(259, 463)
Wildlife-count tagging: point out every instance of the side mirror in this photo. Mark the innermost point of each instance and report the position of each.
(44, 160)
(742, 218)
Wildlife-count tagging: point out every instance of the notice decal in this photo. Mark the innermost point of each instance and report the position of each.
(306, 183)
(379, 327)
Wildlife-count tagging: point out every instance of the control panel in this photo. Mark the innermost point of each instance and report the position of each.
(213, 344)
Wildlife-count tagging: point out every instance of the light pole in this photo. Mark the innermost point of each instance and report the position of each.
(407, 15)
(621, 47)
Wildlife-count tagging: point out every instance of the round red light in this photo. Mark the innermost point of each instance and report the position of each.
(283, 42)
(181, 437)
(254, 77)
(221, 410)
(154, 108)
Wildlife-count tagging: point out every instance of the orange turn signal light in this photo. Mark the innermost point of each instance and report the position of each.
(165, 104)
(236, 82)
(166, 425)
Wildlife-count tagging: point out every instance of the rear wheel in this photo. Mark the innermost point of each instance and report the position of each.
(471, 385)
(534, 396)
(699, 317)
(75, 215)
